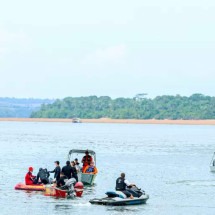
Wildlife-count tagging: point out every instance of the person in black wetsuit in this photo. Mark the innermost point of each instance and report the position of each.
(56, 171)
(74, 171)
(62, 181)
(122, 184)
(43, 176)
(67, 170)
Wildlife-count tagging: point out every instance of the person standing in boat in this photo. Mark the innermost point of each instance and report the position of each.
(74, 171)
(56, 171)
(122, 184)
(77, 165)
(29, 177)
(67, 170)
(86, 160)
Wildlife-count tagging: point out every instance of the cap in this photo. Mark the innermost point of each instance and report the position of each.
(30, 169)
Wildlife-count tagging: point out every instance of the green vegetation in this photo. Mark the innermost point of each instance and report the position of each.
(196, 106)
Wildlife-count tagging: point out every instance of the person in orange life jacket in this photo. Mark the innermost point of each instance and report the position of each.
(91, 169)
(122, 184)
(86, 159)
(29, 177)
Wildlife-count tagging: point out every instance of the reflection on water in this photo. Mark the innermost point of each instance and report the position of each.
(170, 162)
(195, 183)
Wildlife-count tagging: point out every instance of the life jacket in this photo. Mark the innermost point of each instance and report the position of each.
(90, 169)
(29, 178)
(120, 184)
(86, 160)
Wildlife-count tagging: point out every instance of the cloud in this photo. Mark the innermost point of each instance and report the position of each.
(111, 54)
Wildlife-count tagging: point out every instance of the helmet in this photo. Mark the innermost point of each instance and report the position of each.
(30, 169)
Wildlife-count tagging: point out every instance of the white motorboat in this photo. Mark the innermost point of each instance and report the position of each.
(85, 178)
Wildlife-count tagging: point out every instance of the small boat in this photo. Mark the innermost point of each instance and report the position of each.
(69, 191)
(56, 192)
(35, 187)
(76, 120)
(117, 198)
(85, 178)
(212, 164)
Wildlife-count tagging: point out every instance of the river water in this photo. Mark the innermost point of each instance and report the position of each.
(170, 162)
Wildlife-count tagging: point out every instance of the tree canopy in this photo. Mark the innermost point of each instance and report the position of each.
(197, 106)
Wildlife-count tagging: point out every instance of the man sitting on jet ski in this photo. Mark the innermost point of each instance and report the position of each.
(122, 184)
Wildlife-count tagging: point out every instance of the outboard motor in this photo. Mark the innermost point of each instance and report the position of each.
(79, 188)
(74, 190)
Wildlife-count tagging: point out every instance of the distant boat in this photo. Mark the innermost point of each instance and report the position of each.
(212, 164)
(76, 120)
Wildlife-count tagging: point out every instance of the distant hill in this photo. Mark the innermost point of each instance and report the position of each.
(20, 108)
(197, 106)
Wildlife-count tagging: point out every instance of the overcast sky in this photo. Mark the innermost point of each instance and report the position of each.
(54, 49)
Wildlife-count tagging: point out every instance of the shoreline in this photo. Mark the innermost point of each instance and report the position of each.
(119, 121)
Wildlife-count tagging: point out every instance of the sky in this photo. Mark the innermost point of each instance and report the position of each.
(116, 48)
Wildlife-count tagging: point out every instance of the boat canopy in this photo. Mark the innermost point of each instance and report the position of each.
(82, 151)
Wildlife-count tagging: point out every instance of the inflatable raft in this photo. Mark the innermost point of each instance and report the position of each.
(35, 187)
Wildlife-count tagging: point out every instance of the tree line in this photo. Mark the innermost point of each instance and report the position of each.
(196, 106)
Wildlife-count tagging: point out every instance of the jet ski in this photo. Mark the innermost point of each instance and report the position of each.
(118, 198)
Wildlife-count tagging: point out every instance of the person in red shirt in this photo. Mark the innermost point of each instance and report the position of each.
(29, 177)
(86, 160)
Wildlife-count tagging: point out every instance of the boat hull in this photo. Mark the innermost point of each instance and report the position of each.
(120, 202)
(212, 168)
(87, 179)
(59, 193)
(53, 191)
(21, 186)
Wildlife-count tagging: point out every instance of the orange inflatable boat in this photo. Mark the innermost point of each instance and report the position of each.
(35, 187)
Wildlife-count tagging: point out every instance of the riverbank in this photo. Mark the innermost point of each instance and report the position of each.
(123, 121)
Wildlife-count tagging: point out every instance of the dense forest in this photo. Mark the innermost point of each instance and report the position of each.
(197, 106)
(20, 108)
